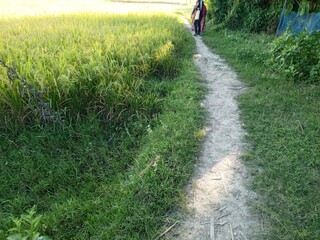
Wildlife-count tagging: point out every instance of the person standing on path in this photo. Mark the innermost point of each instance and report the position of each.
(197, 22)
(203, 12)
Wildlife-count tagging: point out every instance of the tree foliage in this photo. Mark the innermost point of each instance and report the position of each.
(256, 15)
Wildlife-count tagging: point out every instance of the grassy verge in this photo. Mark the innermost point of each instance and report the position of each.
(96, 180)
(283, 128)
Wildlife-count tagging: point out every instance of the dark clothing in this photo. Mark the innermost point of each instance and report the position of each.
(200, 4)
(203, 17)
(197, 26)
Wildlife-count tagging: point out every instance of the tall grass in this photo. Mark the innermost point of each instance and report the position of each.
(283, 126)
(87, 62)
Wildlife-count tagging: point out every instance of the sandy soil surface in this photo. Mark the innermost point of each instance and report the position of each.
(218, 196)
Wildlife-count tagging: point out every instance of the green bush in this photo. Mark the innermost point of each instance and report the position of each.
(244, 15)
(257, 15)
(297, 57)
(262, 20)
(27, 227)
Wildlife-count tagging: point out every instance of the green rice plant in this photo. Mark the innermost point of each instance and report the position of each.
(90, 62)
(13, 105)
(164, 60)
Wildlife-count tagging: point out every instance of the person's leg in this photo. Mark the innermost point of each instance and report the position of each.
(198, 27)
(200, 18)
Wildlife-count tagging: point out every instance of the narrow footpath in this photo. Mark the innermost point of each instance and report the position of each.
(218, 196)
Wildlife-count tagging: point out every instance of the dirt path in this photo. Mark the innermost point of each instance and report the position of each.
(218, 197)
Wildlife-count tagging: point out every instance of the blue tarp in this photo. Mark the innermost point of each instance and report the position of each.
(295, 23)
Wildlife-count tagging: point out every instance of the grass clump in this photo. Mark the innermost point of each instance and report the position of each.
(281, 118)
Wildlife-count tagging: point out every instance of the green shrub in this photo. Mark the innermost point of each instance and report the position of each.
(257, 15)
(241, 15)
(297, 57)
(26, 227)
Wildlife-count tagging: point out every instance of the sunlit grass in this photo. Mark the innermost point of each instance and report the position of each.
(88, 62)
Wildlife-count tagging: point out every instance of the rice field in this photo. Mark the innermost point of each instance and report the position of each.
(86, 62)
(126, 91)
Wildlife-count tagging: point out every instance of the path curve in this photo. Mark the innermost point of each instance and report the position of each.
(218, 195)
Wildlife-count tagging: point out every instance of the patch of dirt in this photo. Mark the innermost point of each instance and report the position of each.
(218, 195)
